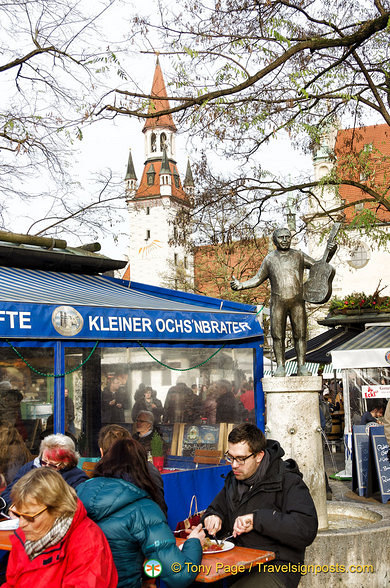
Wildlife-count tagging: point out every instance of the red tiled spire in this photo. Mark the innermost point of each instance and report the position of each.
(151, 191)
(158, 105)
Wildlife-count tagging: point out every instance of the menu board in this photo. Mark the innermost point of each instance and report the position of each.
(379, 449)
(200, 437)
(360, 452)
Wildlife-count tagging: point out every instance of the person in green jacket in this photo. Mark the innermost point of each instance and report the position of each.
(123, 501)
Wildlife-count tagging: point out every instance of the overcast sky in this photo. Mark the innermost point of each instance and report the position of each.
(106, 144)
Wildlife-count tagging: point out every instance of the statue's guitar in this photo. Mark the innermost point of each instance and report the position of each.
(318, 287)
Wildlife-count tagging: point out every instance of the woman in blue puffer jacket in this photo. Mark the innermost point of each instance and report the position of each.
(122, 500)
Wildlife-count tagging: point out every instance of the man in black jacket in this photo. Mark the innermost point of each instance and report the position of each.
(266, 505)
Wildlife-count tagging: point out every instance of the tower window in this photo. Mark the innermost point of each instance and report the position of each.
(176, 178)
(185, 263)
(150, 175)
(147, 235)
(153, 142)
(163, 142)
(175, 258)
(147, 210)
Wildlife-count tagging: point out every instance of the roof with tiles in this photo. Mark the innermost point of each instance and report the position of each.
(363, 154)
(159, 104)
(149, 186)
(152, 190)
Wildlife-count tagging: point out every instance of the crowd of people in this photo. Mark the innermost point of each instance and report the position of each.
(220, 402)
(97, 532)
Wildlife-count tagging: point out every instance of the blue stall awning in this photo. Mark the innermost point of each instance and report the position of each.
(53, 305)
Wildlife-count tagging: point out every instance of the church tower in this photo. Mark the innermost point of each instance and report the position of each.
(156, 202)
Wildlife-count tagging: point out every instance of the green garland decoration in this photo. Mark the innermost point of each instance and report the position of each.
(46, 375)
(179, 369)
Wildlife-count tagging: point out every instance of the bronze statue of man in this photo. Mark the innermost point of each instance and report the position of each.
(284, 268)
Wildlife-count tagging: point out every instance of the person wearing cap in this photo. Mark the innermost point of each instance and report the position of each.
(147, 400)
(327, 396)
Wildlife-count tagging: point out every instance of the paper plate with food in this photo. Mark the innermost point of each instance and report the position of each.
(212, 546)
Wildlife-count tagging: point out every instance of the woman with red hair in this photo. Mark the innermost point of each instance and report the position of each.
(57, 452)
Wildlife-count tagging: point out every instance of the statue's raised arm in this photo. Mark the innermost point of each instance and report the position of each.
(284, 267)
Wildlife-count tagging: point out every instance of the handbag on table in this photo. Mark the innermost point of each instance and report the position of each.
(193, 519)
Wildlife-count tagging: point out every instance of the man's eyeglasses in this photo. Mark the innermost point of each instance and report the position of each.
(46, 464)
(240, 460)
(141, 421)
(27, 517)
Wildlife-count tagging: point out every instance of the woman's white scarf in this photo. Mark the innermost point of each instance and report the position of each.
(52, 537)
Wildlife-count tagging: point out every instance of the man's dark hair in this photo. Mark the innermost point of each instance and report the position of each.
(250, 434)
(224, 385)
(375, 404)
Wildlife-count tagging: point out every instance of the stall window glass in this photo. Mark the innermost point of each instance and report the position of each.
(26, 405)
(116, 384)
(357, 403)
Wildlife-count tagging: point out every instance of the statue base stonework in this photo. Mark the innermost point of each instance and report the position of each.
(293, 419)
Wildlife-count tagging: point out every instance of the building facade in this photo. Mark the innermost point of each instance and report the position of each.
(159, 254)
(359, 155)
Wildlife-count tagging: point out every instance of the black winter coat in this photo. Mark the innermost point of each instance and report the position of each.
(285, 519)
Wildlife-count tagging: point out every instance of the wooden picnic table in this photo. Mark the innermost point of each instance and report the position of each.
(213, 567)
(5, 540)
(222, 564)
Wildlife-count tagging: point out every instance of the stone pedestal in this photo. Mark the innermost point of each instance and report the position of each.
(293, 419)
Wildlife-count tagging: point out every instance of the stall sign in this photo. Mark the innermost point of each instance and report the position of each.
(376, 391)
(49, 321)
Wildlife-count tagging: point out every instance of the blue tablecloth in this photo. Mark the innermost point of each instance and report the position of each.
(179, 487)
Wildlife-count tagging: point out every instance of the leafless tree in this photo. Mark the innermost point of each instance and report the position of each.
(52, 68)
(247, 70)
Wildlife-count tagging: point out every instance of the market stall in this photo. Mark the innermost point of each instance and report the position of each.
(98, 337)
(365, 363)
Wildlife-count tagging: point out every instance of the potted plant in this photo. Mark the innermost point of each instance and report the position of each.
(156, 447)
